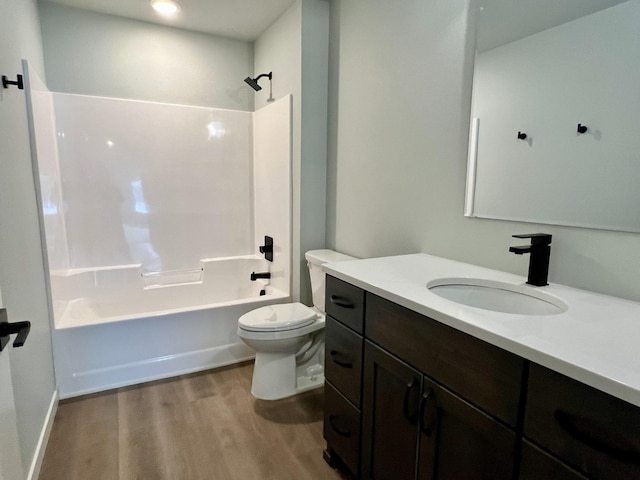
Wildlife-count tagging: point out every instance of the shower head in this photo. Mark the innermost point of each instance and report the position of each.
(253, 82)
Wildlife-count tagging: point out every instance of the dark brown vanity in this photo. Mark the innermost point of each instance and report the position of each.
(409, 397)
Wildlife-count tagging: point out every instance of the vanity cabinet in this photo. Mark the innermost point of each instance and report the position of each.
(437, 403)
(408, 397)
(413, 427)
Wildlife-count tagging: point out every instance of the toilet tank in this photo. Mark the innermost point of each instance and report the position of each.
(315, 260)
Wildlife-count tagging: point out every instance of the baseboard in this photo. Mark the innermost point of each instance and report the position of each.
(41, 448)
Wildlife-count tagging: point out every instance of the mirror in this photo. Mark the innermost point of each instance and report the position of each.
(555, 113)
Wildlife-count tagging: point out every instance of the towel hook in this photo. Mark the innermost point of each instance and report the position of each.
(6, 82)
(522, 136)
(582, 128)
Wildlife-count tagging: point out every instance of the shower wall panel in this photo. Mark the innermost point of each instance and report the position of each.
(156, 184)
(44, 136)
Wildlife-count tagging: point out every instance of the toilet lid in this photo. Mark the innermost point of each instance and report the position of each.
(285, 316)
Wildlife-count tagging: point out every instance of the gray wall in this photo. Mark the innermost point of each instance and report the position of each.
(97, 54)
(400, 91)
(22, 273)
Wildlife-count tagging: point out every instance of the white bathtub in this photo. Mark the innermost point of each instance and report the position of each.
(116, 327)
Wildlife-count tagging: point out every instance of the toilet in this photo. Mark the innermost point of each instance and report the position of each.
(289, 338)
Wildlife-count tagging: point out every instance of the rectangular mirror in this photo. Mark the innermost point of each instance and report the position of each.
(555, 113)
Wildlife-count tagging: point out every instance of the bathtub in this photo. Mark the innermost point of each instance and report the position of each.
(119, 326)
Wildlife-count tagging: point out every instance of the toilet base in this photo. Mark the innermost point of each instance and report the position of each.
(276, 376)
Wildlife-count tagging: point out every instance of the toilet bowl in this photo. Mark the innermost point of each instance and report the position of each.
(289, 338)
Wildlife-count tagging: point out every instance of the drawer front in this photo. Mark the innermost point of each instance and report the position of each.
(345, 303)
(343, 359)
(485, 375)
(342, 427)
(537, 465)
(590, 430)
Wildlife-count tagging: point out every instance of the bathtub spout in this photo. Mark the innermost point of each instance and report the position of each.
(255, 276)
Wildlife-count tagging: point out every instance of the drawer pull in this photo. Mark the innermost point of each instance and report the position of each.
(341, 301)
(343, 432)
(425, 428)
(595, 436)
(411, 417)
(339, 359)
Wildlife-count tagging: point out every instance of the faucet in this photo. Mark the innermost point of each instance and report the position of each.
(255, 276)
(540, 250)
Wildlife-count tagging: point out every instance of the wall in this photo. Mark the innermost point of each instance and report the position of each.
(22, 271)
(400, 93)
(295, 48)
(96, 54)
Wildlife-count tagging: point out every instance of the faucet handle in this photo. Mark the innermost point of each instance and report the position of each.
(536, 238)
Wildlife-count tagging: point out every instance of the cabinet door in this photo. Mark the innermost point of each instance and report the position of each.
(391, 397)
(459, 442)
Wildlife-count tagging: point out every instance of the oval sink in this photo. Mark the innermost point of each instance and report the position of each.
(497, 296)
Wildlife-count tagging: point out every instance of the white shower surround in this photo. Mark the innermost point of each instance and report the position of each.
(189, 192)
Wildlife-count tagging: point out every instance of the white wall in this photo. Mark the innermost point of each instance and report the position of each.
(22, 272)
(295, 48)
(400, 94)
(97, 54)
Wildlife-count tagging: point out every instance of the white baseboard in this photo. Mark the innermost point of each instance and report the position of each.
(41, 448)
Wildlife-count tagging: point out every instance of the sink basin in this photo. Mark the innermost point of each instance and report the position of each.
(497, 296)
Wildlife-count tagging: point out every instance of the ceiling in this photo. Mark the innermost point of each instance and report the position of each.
(504, 21)
(239, 19)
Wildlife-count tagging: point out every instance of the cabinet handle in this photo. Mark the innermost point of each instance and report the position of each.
(337, 359)
(340, 431)
(588, 432)
(341, 301)
(425, 428)
(411, 417)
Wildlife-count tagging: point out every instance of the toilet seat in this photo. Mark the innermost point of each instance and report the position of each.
(275, 318)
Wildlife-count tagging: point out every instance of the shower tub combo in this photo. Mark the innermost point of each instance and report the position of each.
(153, 230)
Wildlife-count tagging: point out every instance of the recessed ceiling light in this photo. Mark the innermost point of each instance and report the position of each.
(165, 7)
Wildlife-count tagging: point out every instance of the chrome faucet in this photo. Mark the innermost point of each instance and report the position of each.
(540, 250)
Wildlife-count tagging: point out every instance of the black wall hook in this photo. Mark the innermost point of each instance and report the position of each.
(522, 136)
(582, 128)
(6, 82)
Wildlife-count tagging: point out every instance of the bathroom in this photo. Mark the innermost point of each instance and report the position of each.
(399, 99)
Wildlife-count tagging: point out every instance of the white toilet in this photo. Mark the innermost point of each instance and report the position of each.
(289, 338)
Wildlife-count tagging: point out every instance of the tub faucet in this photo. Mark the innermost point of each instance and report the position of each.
(255, 276)
(540, 250)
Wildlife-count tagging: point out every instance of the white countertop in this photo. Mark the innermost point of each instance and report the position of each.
(596, 341)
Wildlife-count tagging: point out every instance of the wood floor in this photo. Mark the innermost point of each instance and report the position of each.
(199, 426)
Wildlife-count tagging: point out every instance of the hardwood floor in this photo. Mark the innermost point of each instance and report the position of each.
(199, 426)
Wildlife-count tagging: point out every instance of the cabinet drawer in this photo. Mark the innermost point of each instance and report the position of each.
(342, 427)
(345, 303)
(536, 465)
(485, 375)
(343, 359)
(590, 430)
